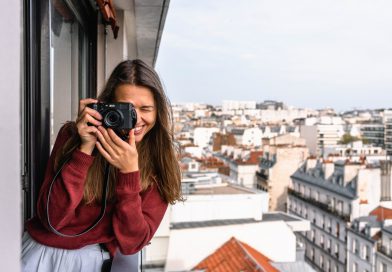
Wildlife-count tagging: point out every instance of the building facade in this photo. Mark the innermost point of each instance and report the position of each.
(282, 155)
(330, 194)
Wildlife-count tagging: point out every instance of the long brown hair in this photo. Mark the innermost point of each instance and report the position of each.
(157, 151)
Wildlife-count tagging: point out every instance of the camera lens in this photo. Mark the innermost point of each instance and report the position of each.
(113, 119)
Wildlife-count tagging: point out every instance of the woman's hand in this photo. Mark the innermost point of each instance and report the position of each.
(87, 133)
(121, 154)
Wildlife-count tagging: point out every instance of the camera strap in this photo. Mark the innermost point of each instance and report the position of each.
(103, 206)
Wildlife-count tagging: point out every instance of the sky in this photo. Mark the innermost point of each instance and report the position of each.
(305, 53)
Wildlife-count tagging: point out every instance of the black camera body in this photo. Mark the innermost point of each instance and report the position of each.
(119, 116)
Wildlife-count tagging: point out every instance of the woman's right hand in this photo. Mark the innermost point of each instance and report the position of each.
(87, 132)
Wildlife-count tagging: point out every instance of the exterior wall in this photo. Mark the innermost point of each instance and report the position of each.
(244, 175)
(202, 136)
(252, 137)
(309, 133)
(288, 161)
(383, 262)
(11, 81)
(360, 253)
(373, 133)
(219, 207)
(388, 131)
(187, 247)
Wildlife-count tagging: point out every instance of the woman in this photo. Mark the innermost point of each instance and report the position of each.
(144, 177)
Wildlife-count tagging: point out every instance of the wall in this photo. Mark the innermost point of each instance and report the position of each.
(188, 247)
(219, 207)
(10, 78)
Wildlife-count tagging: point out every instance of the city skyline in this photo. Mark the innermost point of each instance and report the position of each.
(308, 54)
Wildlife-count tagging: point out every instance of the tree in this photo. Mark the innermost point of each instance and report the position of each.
(348, 138)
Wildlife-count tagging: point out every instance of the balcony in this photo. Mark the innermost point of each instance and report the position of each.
(318, 204)
(383, 249)
(261, 176)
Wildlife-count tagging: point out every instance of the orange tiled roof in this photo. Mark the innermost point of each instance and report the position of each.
(234, 256)
(382, 213)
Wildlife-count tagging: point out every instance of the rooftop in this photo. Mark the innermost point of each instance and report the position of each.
(327, 185)
(225, 189)
(212, 223)
(276, 216)
(382, 213)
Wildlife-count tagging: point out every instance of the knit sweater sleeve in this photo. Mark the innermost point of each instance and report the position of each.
(137, 215)
(67, 190)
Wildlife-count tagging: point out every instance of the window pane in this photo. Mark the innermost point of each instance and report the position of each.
(68, 65)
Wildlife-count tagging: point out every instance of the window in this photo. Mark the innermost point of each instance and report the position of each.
(69, 64)
(356, 248)
(366, 253)
(60, 53)
(312, 235)
(383, 267)
(337, 229)
(355, 267)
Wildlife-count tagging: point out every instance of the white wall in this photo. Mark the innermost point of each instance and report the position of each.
(10, 192)
(219, 207)
(188, 247)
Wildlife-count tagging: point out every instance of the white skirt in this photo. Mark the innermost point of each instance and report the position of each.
(40, 258)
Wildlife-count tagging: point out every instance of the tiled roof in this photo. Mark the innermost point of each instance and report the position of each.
(382, 213)
(234, 256)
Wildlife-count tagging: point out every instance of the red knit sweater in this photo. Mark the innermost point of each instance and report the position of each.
(129, 222)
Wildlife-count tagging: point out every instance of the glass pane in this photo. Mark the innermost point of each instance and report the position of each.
(68, 58)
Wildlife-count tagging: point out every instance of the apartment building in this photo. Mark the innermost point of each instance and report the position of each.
(282, 156)
(388, 131)
(384, 253)
(330, 195)
(368, 241)
(373, 132)
(320, 137)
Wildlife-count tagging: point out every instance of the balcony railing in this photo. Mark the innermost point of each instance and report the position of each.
(262, 176)
(318, 204)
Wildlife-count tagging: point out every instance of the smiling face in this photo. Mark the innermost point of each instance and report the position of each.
(143, 100)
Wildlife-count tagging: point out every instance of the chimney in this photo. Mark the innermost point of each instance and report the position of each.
(328, 168)
(385, 180)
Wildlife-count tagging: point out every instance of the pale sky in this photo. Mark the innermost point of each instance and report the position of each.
(305, 53)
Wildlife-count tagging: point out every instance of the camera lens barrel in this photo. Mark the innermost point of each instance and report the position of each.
(113, 119)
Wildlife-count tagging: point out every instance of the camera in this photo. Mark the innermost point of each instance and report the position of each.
(121, 117)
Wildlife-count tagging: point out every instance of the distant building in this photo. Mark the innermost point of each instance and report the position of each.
(202, 135)
(282, 156)
(373, 133)
(270, 105)
(321, 136)
(388, 131)
(228, 105)
(356, 148)
(243, 170)
(219, 139)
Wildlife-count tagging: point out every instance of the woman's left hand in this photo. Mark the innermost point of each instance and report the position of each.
(121, 154)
